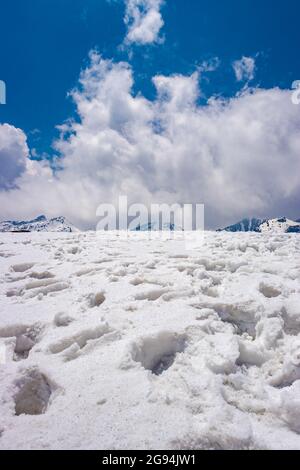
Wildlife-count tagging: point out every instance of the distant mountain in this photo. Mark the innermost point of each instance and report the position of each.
(40, 224)
(155, 227)
(245, 225)
(281, 225)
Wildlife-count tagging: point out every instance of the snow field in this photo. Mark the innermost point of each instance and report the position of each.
(132, 344)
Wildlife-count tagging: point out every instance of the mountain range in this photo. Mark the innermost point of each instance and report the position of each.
(155, 227)
(39, 224)
(281, 225)
(61, 224)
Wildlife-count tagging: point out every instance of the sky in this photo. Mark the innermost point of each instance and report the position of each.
(160, 100)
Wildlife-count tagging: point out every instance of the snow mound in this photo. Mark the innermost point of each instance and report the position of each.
(158, 354)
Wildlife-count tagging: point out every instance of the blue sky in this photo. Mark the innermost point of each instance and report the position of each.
(45, 44)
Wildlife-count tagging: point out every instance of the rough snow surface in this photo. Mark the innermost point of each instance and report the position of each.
(108, 343)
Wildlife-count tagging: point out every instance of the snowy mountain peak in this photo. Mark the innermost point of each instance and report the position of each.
(39, 224)
(280, 225)
(40, 218)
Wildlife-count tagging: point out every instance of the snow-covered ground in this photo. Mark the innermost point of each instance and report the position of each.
(108, 343)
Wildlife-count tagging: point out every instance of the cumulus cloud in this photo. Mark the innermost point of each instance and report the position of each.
(143, 20)
(244, 69)
(14, 154)
(238, 156)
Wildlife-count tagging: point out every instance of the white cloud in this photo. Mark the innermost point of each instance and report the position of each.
(210, 65)
(14, 154)
(244, 69)
(143, 20)
(239, 156)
